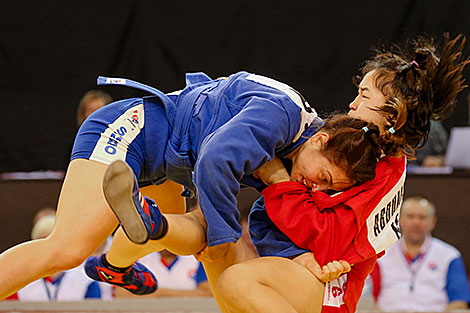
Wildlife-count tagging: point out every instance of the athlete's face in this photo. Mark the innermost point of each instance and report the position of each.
(416, 220)
(368, 100)
(311, 168)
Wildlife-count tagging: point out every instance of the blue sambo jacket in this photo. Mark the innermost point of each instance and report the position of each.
(222, 131)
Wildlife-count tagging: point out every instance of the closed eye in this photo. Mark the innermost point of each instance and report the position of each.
(326, 178)
(363, 92)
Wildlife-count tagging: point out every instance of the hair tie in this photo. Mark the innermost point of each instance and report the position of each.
(365, 129)
(391, 130)
(415, 63)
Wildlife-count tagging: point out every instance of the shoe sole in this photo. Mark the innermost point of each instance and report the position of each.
(118, 183)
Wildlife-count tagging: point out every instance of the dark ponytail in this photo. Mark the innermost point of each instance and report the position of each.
(418, 82)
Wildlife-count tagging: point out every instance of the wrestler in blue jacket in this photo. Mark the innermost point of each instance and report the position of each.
(210, 137)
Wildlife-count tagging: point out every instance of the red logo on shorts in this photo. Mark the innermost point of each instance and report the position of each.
(336, 291)
(135, 116)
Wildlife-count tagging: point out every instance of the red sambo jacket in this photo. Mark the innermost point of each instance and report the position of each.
(355, 225)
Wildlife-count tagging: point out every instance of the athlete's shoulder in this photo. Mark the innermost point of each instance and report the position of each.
(389, 172)
(388, 165)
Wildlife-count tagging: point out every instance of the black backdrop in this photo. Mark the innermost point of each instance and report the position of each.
(52, 51)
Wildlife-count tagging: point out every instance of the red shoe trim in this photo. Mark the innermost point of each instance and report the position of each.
(149, 281)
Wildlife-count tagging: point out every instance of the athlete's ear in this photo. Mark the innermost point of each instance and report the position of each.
(319, 140)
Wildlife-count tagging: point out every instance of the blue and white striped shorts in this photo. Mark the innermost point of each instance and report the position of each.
(118, 131)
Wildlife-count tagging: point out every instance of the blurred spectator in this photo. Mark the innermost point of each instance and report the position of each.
(178, 276)
(40, 214)
(420, 272)
(90, 102)
(433, 152)
(71, 285)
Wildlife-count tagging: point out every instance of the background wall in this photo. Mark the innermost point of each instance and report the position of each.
(52, 51)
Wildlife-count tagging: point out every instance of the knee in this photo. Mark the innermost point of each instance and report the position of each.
(64, 256)
(235, 280)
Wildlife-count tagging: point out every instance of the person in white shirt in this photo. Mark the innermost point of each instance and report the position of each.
(420, 272)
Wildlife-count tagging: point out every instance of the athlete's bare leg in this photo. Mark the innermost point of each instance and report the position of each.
(269, 284)
(167, 196)
(236, 253)
(83, 222)
(186, 236)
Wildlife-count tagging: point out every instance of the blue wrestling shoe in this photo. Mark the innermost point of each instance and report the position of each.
(137, 279)
(139, 216)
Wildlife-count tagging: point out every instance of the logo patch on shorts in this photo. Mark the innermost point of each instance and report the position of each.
(116, 139)
(334, 291)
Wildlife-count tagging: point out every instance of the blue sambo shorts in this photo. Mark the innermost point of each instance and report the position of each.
(133, 130)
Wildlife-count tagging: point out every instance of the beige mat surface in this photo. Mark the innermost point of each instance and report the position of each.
(163, 305)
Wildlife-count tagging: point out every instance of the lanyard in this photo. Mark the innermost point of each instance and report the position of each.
(56, 283)
(414, 265)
